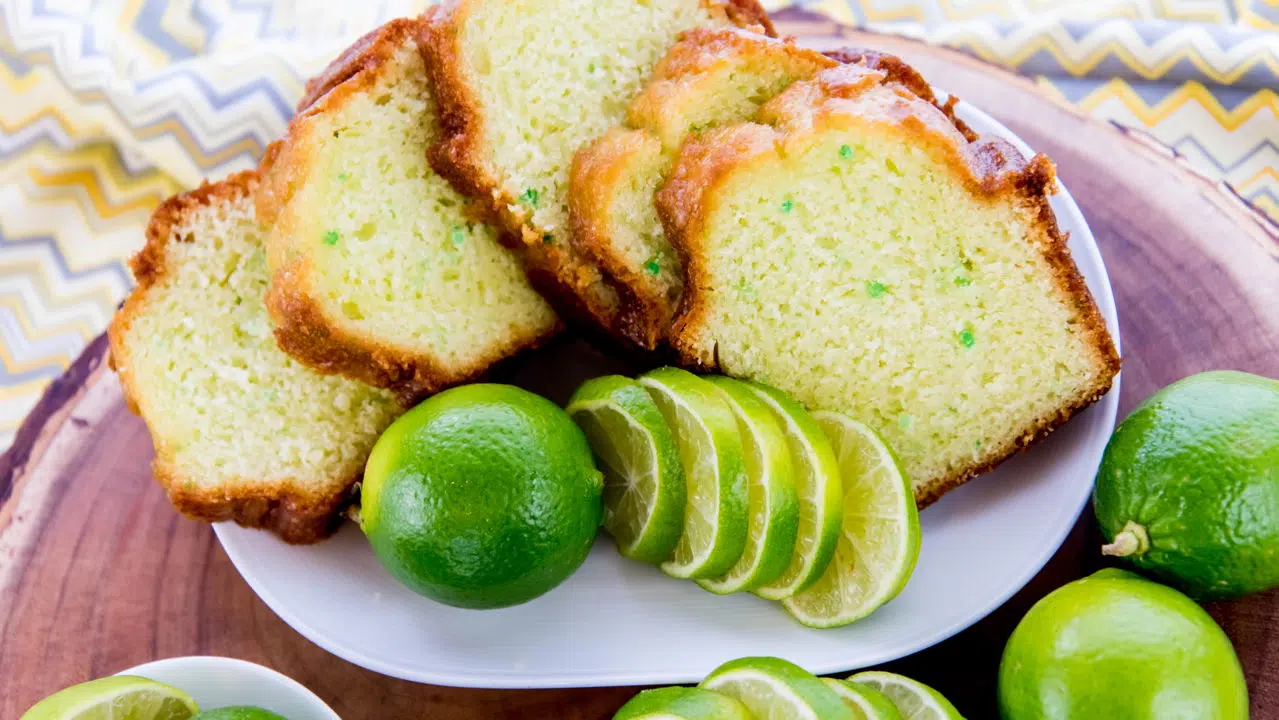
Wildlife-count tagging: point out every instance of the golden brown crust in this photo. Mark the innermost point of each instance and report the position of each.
(991, 168)
(898, 71)
(303, 328)
(571, 281)
(285, 507)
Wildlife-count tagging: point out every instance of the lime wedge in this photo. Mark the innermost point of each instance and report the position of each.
(865, 702)
(682, 703)
(772, 688)
(914, 700)
(879, 541)
(121, 696)
(710, 450)
(772, 503)
(816, 474)
(643, 479)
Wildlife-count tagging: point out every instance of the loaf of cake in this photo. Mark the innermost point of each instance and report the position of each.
(859, 251)
(380, 270)
(522, 85)
(241, 431)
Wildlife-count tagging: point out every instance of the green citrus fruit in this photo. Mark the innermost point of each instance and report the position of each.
(772, 501)
(120, 696)
(682, 703)
(238, 712)
(1115, 645)
(913, 699)
(483, 496)
(643, 480)
(773, 688)
(1189, 485)
(865, 702)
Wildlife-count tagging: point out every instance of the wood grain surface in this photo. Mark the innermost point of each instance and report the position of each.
(98, 573)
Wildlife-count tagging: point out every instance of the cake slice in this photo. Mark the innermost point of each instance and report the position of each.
(522, 85)
(241, 431)
(709, 78)
(859, 252)
(380, 270)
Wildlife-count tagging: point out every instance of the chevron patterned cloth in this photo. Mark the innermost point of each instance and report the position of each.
(113, 105)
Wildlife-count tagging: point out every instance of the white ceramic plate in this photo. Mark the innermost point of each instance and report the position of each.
(218, 682)
(617, 622)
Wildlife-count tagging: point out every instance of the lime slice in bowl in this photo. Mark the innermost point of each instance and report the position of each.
(773, 503)
(817, 485)
(120, 696)
(914, 700)
(643, 479)
(710, 450)
(865, 702)
(682, 703)
(879, 540)
(772, 688)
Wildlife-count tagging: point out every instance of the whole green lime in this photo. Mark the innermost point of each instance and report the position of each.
(238, 712)
(1115, 645)
(1189, 485)
(483, 496)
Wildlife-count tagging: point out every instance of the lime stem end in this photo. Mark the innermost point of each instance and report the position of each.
(1132, 540)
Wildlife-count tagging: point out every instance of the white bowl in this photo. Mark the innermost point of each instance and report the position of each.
(618, 622)
(217, 682)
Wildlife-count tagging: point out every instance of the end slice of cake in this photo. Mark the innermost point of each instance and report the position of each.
(241, 431)
(523, 85)
(861, 253)
(709, 78)
(380, 270)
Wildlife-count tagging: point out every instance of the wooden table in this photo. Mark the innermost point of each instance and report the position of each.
(98, 573)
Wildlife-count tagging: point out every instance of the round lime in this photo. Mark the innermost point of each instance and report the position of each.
(913, 699)
(643, 480)
(710, 450)
(1189, 485)
(120, 696)
(817, 485)
(879, 539)
(772, 502)
(866, 702)
(238, 712)
(774, 688)
(483, 496)
(1115, 645)
(682, 703)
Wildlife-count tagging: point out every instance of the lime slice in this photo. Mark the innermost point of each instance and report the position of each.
(710, 450)
(643, 480)
(121, 696)
(816, 474)
(773, 503)
(865, 702)
(879, 541)
(682, 703)
(773, 689)
(914, 700)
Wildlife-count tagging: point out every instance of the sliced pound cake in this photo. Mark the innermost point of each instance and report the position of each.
(709, 78)
(379, 269)
(241, 431)
(861, 253)
(522, 84)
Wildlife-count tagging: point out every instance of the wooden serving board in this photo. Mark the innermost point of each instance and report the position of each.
(98, 573)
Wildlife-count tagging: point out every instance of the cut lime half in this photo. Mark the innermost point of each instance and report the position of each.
(682, 703)
(914, 700)
(120, 696)
(774, 689)
(817, 485)
(643, 479)
(879, 540)
(773, 503)
(710, 450)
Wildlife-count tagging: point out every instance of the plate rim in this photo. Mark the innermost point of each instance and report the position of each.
(1108, 405)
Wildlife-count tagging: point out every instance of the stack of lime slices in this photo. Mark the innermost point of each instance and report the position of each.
(736, 486)
(768, 687)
